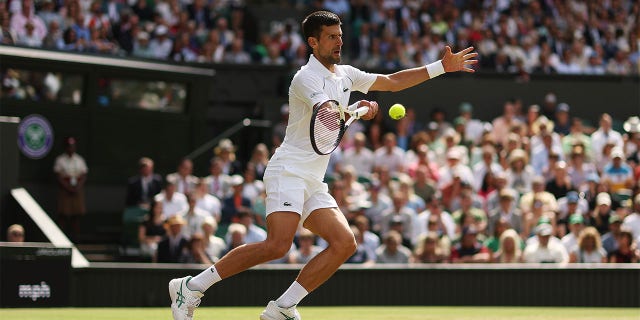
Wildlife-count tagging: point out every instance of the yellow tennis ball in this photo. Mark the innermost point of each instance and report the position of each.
(397, 111)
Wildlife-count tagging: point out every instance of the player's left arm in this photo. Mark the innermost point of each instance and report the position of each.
(450, 62)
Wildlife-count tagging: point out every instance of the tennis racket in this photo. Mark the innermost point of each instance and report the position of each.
(329, 122)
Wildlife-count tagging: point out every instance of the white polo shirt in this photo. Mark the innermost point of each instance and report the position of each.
(315, 84)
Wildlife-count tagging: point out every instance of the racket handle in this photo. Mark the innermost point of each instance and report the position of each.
(358, 113)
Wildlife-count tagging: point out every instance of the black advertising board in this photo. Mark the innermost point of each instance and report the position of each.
(34, 275)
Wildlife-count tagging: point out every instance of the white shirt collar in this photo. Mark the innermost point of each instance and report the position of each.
(316, 66)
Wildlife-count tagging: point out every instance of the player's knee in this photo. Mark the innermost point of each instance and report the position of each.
(346, 246)
(276, 249)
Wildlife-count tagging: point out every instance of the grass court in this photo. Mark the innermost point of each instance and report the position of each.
(334, 313)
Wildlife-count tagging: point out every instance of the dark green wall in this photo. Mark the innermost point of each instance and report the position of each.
(433, 285)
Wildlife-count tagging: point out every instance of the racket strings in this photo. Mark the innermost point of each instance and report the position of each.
(327, 129)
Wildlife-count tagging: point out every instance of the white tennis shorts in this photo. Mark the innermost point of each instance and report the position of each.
(287, 191)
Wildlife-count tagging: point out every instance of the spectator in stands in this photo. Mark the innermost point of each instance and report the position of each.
(589, 248)
(259, 160)
(453, 175)
(28, 38)
(576, 137)
(125, 30)
(576, 226)
(380, 204)
(184, 178)
(469, 249)
(161, 45)
(253, 232)
(428, 250)
(392, 250)
(206, 202)
(469, 213)
(274, 56)
(572, 203)
(200, 13)
(507, 211)
(609, 239)
(632, 221)
(617, 175)
(15, 233)
(363, 254)
(369, 239)
(183, 51)
(390, 155)
(423, 157)
(398, 212)
(143, 187)
(196, 251)
(473, 127)
(54, 38)
(561, 183)
(360, 157)
(620, 64)
(151, 230)
(213, 245)
(252, 188)
(602, 212)
(194, 217)
(578, 170)
(306, 248)
(510, 248)
(627, 251)
(49, 14)
(173, 202)
(519, 174)
(235, 203)
(218, 182)
(493, 241)
(26, 19)
(71, 171)
(174, 245)
(543, 250)
(7, 35)
(338, 192)
(226, 152)
(562, 124)
(435, 214)
(604, 135)
(236, 232)
(502, 125)
(487, 164)
(236, 53)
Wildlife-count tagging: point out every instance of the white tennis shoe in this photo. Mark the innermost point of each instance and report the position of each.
(273, 312)
(183, 300)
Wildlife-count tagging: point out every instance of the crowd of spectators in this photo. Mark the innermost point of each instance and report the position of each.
(533, 185)
(519, 37)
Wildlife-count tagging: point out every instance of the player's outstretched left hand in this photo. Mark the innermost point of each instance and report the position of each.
(373, 109)
(453, 62)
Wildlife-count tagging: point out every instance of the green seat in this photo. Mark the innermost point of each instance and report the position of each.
(132, 217)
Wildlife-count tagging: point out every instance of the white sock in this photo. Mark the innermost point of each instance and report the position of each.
(292, 296)
(204, 280)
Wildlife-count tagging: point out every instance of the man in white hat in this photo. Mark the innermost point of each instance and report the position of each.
(161, 45)
(617, 174)
(632, 148)
(545, 251)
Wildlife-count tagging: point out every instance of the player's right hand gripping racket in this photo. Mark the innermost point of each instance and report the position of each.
(329, 123)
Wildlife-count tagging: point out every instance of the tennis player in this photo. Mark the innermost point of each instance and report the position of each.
(294, 176)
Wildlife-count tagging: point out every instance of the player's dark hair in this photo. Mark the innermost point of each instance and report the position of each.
(312, 24)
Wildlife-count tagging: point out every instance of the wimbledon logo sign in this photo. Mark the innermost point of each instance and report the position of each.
(35, 136)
